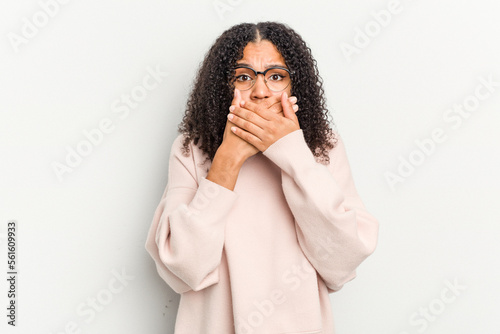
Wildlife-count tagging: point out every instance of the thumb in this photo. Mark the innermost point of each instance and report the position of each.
(288, 111)
(236, 98)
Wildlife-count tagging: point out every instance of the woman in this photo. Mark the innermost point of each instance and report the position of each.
(260, 219)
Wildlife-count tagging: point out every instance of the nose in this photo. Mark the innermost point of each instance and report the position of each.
(259, 89)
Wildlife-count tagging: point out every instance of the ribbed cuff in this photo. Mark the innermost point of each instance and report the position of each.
(212, 201)
(290, 152)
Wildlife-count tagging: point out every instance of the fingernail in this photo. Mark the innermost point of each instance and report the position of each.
(242, 103)
(231, 108)
(292, 99)
(230, 116)
(286, 95)
(295, 107)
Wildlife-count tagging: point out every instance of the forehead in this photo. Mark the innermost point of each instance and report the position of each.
(261, 54)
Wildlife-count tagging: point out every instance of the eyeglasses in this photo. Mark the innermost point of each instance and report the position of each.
(276, 78)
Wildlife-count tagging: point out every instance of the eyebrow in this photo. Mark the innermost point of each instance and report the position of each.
(266, 67)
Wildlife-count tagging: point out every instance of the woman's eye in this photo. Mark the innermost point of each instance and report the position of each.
(243, 77)
(276, 77)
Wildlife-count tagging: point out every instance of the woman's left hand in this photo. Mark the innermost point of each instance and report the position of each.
(260, 126)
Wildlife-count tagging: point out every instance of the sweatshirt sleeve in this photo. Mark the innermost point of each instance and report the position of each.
(333, 228)
(186, 236)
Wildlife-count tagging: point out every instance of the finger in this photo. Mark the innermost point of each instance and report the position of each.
(236, 100)
(252, 113)
(256, 113)
(251, 125)
(294, 107)
(288, 110)
(236, 97)
(272, 101)
(277, 107)
(248, 137)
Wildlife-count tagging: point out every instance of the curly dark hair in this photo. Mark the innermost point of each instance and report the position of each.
(207, 107)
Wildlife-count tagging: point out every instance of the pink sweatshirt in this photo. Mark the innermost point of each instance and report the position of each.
(264, 257)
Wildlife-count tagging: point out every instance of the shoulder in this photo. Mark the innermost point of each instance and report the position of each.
(184, 151)
(179, 140)
(181, 153)
(180, 147)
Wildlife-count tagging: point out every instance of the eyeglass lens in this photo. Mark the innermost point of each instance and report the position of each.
(276, 79)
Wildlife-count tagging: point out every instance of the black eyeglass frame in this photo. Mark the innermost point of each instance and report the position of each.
(264, 74)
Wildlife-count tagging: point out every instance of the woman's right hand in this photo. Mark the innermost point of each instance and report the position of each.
(232, 142)
(236, 145)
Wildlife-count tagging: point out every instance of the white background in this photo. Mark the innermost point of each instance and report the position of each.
(441, 224)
